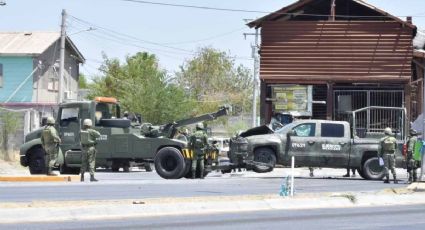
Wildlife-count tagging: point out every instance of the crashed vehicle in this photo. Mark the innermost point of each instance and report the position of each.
(313, 143)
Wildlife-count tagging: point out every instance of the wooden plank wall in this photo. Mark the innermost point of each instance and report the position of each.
(316, 52)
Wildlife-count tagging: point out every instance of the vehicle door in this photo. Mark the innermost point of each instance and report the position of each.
(333, 145)
(301, 143)
(69, 127)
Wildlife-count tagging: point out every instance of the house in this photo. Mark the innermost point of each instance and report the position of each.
(29, 70)
(338, 55)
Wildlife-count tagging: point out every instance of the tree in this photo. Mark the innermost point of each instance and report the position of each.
(213, 79)
(82, 82)
(142, 87)
(10, 124)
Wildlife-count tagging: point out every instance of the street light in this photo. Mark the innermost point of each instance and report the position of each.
(2, 3)
(88, 29)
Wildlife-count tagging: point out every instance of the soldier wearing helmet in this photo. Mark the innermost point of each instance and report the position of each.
(50, 141)
(388, 147)
(198, 144)
(88, 142)
(412, 163)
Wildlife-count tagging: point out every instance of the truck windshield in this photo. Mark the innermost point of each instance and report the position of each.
(106, 111)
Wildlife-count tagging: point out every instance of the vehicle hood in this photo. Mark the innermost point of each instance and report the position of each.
(259, 130)
(33, 135)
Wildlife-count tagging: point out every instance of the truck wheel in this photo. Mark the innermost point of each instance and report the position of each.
(266, 156)
(36, 162)
(169, 163)
(372, 170)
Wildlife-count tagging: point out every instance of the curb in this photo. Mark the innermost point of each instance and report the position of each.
(40, 211)
(41, 178)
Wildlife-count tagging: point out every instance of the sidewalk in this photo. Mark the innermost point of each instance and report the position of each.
(39, 211)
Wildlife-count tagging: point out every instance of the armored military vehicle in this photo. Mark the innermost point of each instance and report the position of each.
(319, 143)
(120, 143)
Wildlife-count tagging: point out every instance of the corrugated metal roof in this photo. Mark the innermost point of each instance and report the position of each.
(26, 43)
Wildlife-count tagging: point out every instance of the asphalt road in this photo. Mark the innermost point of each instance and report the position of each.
(139, 185)
(392, 217)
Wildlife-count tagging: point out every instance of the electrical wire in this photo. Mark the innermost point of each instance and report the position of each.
(254, 11)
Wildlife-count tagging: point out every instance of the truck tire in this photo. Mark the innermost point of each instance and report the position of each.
(371, 169)
(36, 161)
(169, 163)
(264, 155)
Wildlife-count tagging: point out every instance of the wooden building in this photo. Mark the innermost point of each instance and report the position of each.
(347, 53)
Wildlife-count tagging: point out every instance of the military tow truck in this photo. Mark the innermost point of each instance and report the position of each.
(321, 143)
(119, 144)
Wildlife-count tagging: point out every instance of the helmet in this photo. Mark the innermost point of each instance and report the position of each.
(388, 131)
(50, 121)
(126, 113)
(87, 122)
(199, 126)
(413, 132)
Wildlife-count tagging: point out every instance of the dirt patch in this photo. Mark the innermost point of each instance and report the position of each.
(12, 167)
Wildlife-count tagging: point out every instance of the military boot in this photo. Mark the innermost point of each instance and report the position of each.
(387, 180)
(92, 179)
(82, 177)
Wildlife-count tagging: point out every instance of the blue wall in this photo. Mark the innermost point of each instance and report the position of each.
(15, 70)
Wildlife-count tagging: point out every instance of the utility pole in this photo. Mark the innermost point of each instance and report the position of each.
(62, 57)
(256, 70)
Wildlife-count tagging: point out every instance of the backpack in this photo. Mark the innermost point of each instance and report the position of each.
(197, 140)
(388, 144)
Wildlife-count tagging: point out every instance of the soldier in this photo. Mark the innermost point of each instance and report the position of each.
(388, 146)
(412, 164)
(88, 142)
(50, 141)
(198, 144)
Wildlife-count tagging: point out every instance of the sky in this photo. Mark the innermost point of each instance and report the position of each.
(174, 34)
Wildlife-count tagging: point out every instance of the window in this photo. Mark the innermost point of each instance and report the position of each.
(53, 84)
(332, 130)
(69, 115)
(1, 75)
(305, 130)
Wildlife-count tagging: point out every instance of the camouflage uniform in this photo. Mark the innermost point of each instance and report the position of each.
(388, 146)
(50, 141)
(198, 144)
(88, 157)
(412, 164)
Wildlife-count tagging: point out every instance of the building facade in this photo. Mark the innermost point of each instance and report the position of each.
(327, 58)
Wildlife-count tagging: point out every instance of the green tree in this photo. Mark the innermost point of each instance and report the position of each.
(9, 125)
(213, 79)
(142, 87)
(82, 82)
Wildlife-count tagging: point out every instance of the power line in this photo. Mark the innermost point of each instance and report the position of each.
(207, 39)
(118, 37)
(256, 11)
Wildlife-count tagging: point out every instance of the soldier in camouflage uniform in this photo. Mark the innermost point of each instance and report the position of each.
(388, 146)
(88, 142)
(198, 144)
(412, 164)
(50, 141)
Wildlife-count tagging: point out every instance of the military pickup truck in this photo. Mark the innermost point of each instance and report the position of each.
(313, 143)
(120, 143)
